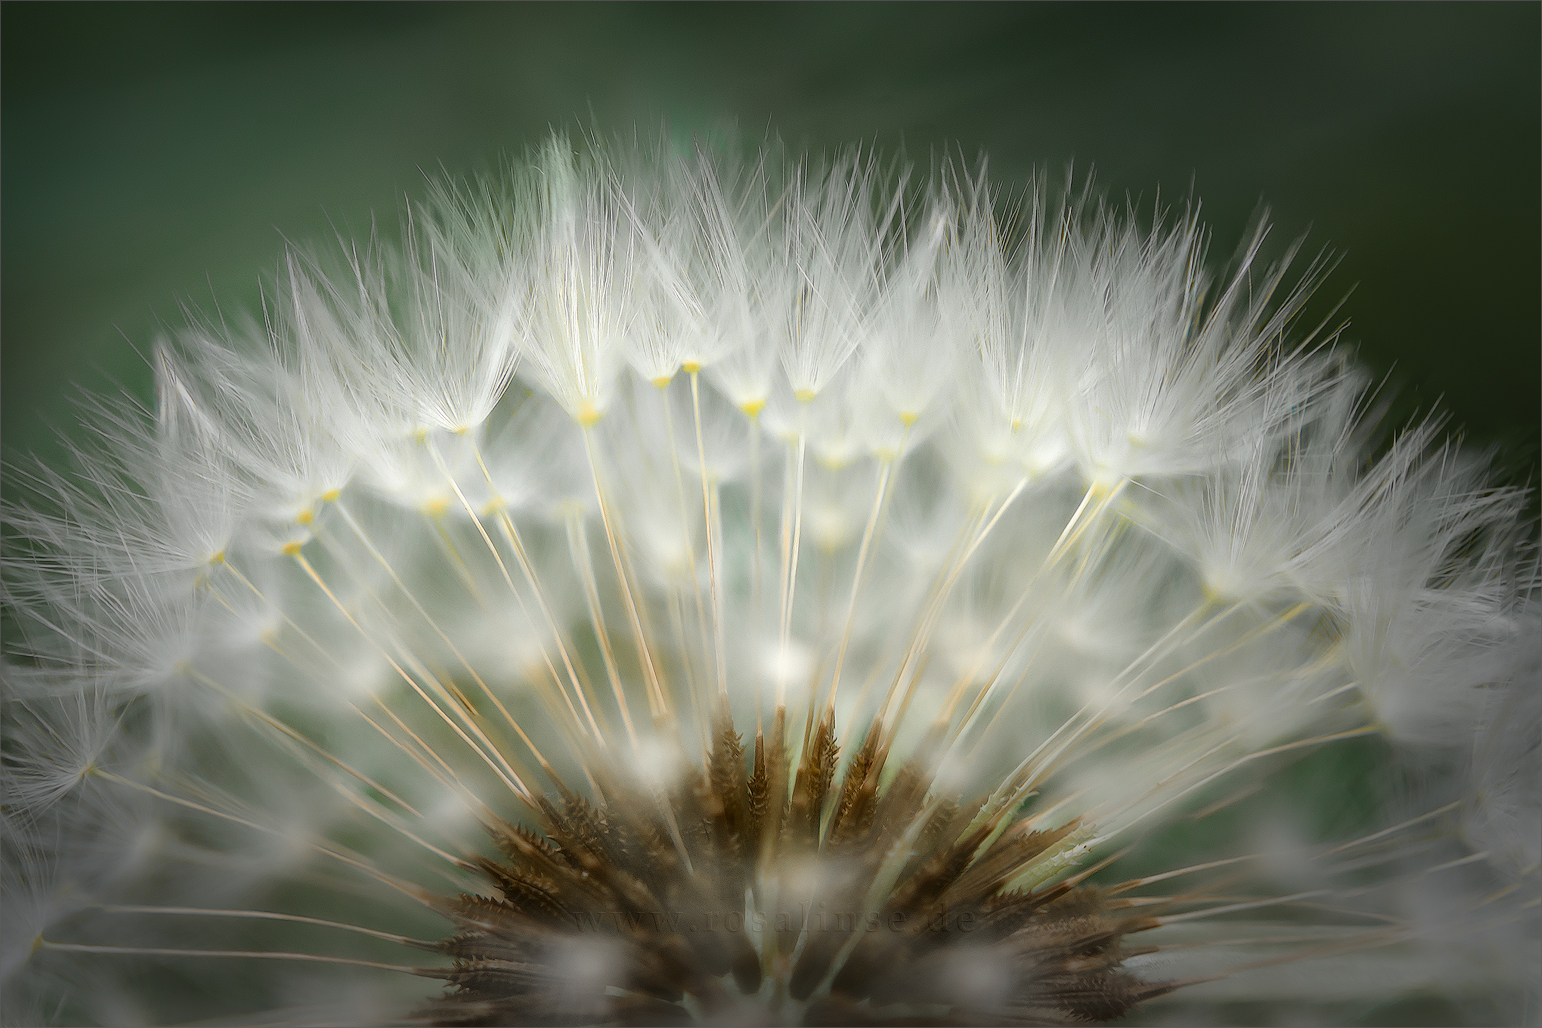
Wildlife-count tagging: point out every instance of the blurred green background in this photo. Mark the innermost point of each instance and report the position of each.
(154, 154)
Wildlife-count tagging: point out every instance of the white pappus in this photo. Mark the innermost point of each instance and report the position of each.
(676, 588)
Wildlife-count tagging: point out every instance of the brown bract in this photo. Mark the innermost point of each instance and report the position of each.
(861, 901)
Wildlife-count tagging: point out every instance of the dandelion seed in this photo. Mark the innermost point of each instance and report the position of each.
(668, 589)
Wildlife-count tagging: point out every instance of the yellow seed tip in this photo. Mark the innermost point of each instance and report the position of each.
(691, 367)
(752, 407)
(218, 558)
(908, 418)
(330, 495)
(587, 414)
(292, 549)
(436, 506)
(305, 517)
(662, 381)
(805, 395)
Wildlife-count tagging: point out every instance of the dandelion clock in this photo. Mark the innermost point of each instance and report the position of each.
(673, 586)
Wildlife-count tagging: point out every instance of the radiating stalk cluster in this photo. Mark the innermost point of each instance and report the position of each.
(1094, 647)
(848, 902)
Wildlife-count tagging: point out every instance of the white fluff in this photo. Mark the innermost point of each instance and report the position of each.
(621, 429)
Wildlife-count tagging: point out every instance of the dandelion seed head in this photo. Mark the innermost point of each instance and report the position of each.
(672, 586)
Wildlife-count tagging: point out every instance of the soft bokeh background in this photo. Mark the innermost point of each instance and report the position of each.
(157, 154)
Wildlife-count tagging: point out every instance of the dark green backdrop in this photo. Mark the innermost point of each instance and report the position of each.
(153, 153)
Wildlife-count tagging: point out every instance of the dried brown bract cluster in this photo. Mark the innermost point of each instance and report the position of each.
(862, 899)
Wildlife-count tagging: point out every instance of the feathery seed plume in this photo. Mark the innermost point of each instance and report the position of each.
(669, 588)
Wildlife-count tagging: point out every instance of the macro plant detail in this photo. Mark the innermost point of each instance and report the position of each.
(682, 588)
(671, 921)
